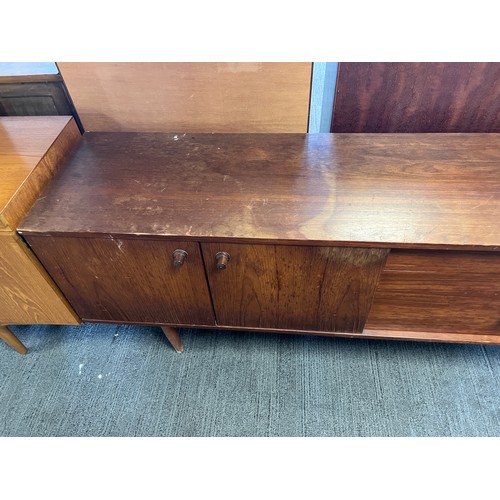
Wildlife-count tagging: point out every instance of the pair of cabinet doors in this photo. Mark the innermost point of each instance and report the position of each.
(136, 280)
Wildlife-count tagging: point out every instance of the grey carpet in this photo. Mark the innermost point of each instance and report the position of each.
(118, 380)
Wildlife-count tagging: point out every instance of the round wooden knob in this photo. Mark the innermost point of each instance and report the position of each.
(222, 259)
(179, 257)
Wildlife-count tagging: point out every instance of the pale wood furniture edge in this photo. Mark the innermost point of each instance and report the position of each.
(30, 276)
(30, 189)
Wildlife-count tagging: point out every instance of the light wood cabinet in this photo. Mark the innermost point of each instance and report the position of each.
(31, 150)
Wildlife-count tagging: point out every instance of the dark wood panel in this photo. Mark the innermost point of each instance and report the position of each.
(417, 97)
(128, 280)
(309, 288)
(448, 292)
(390, 190)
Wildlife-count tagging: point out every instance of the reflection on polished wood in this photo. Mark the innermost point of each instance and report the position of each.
(385, 190)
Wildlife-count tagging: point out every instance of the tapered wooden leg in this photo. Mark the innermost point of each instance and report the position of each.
(9, 338)
(173, 337)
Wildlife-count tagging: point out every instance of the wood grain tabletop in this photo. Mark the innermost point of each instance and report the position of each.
(390, 190)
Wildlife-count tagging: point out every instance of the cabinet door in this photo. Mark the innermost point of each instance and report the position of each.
(326, 289)
(128, 280)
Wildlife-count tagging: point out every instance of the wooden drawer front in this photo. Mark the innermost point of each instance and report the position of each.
(128, 280)
(294, 287)
(438, 292)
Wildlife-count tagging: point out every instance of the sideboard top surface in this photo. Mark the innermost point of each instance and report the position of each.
(397, 190)
(24, 141)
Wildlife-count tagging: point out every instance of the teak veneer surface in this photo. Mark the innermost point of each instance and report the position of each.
(383, 190)
(439, 291)
(294, 287)
(129, 280)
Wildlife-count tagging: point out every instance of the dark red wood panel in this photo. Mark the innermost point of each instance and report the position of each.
(417, 97)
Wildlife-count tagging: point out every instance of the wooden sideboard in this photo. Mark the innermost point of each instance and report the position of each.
(361, 235)
(31, 150)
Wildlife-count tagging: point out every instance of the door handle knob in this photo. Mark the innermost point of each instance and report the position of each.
(222, 259)
(179, 257)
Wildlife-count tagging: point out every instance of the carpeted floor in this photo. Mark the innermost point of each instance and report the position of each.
(117, 380)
